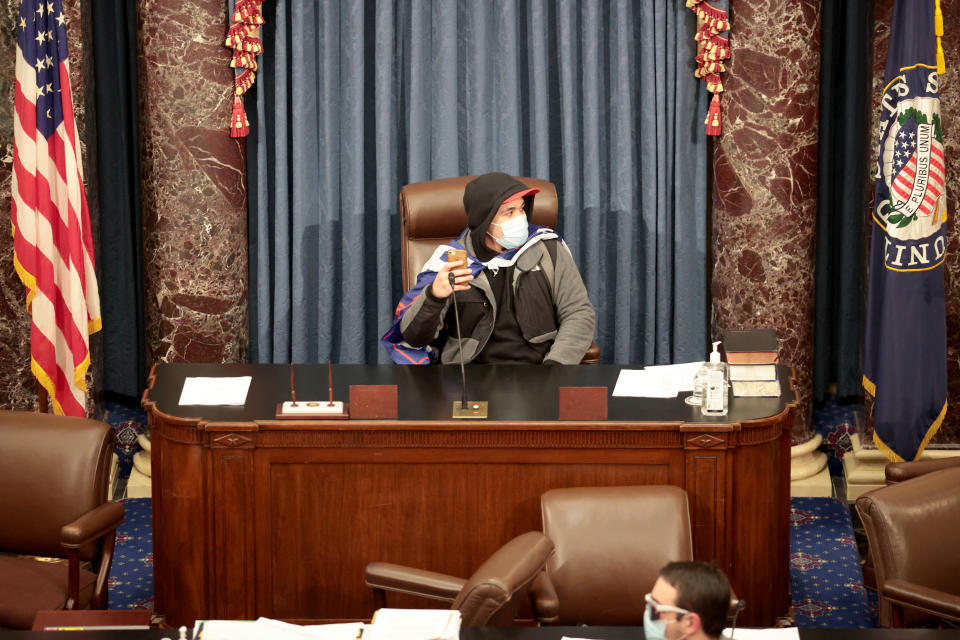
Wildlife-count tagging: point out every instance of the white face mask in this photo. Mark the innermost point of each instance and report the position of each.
(515, 232)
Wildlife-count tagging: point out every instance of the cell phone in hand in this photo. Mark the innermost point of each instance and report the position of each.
(454, 255)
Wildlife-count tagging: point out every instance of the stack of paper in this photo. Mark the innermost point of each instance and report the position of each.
(413, 624)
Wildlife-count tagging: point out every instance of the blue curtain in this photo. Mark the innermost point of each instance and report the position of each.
(355, 99)
(843, 190)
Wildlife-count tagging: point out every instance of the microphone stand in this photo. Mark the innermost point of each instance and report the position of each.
(463, 408)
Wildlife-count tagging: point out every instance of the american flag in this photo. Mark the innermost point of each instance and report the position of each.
(53, 247)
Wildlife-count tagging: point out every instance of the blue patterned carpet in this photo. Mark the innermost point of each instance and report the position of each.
(826, 583)
(131, 575)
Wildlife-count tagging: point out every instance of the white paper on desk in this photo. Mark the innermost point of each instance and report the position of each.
(277, 629)
(413, 624)
(215, 391)
(225, 630)
(641, 384)
(681, 375)
(786, 633)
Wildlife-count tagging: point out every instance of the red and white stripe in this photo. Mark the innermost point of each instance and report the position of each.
(936, 181)
(53, 245)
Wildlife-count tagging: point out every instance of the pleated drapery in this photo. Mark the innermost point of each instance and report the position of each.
(355, 99)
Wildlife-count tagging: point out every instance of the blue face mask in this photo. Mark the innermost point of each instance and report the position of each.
(653, 629)
(515, 232)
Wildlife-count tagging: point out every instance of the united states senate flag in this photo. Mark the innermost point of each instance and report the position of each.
(53, 247)
(905, 350)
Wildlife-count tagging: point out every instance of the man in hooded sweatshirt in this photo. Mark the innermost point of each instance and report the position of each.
(520, 296)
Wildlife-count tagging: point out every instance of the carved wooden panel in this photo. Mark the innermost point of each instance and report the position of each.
(231, 552)
(705, 486)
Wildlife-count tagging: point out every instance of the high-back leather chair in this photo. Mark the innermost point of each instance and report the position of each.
(490, 597)
(913, 527)
(54, 474)
(432, 213)
(611, 543)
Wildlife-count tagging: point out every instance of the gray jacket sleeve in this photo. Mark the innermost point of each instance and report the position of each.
(576, 318)
(421, 323)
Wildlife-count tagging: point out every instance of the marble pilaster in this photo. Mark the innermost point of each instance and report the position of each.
(194, 186)
(765, 182)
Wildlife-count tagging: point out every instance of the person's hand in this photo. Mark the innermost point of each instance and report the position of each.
(441, 283)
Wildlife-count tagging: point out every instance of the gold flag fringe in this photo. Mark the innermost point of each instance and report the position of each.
(243, 37)
(712, 50)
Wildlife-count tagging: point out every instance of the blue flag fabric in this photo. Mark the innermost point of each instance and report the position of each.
(905, 350)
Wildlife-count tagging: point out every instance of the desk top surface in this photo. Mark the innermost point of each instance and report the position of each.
(516, 393)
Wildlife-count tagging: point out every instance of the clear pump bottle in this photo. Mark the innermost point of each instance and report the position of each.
(716, 396)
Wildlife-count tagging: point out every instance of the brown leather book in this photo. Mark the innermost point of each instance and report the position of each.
(751, 346)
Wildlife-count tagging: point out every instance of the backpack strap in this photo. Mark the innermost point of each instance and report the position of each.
(547, 266)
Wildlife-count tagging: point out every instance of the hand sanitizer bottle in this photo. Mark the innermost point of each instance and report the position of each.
(715, 393)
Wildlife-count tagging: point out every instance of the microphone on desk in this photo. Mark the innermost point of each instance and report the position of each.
(463, 408)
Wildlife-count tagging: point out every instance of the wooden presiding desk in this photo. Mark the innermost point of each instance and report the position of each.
(255, 516)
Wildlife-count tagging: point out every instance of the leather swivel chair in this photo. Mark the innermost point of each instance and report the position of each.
(611, 543)
(491, 596)
(912, 527)
(54, 474)
(432, 213)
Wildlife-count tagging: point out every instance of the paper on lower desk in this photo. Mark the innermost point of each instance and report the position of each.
(787, 633)
(269, 629)
(413, 624)
(215, 391)
(273, 629)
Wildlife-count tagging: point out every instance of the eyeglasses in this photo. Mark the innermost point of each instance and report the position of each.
(656, 608)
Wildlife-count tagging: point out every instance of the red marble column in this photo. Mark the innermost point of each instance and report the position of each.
(949, 433)
(194, 186)
(18, 388)
(765, 182)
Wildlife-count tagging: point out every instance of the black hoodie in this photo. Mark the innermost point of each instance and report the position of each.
(482, 198)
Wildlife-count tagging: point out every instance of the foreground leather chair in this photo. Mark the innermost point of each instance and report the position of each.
(53, 503)
(611, 544)
(491, 596)
(432, 213)
(913, 527)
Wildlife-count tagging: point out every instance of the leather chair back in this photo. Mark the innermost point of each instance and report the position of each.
(496, 590)
(913, 528)
(53, 469)
(611, 543)
(432, 213)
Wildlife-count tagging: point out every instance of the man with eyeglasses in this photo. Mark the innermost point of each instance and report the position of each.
(689, 601)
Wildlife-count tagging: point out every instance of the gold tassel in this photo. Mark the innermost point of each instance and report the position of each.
(713, 117)
(938, 29)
